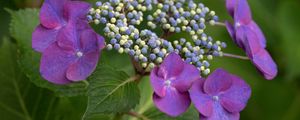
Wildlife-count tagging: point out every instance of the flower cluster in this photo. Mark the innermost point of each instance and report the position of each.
(70, 48)
(220, 97)
(122, 18)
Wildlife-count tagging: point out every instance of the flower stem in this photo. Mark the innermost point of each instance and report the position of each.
(140, 116)
(235, 56)
(220, 24)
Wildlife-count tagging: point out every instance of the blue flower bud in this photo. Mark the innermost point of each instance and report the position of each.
(152, 56)
(131, 52)
(117, 46)
(113, 41)
(188, 60)
(144, 50)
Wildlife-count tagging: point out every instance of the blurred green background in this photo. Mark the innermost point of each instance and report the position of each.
(278, 99)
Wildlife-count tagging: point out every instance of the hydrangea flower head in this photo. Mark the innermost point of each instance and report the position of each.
(70, 48)
(73, 57)
(221, 96)
(171, 82)
(248, 36)
(55, 15)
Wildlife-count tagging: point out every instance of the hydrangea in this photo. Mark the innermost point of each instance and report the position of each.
(249, 37)
(73, 57)
(171, 82)
(221, 96)
(70, 48)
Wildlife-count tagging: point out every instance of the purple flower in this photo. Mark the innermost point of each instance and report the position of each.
(171, 82)
(55, 15)
(221, 96)
(70, 48)
(73, 57)
(248, 36)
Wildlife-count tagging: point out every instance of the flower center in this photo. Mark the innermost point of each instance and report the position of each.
(215, 98)
(238, 24)
(168, 83)
(79, 54)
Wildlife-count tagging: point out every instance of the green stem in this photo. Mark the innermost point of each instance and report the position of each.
(220, 24)
(235, 56)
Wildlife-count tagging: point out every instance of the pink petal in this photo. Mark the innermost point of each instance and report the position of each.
(174, 103)
(75, 10)
(51, 13)
(242, 13)
(265, 64)
(235, 98)
(219, 113)
(217, 82)
(157, 82)
(184, 80)
(202, 101)
(171, 66)
(43, 37)
(54, 64)
(84, 67)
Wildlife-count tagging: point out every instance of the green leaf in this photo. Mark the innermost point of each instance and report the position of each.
(111, 91)
(22, 25)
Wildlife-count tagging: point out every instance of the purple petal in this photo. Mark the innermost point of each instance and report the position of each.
(54, 64)
(89, 40)
(174, 103)
(242, 13)
(202, 101)
(75, 10)
(230, 6)
(235, 98)
(230, 29)
(101, 41)
(157, 82)
(258, 55)
(261, 38)
(68, 38)
(171, 66)
(251, 43)
(240, 36)
(219, 113)
(43, 37)
(217, 82)
(84, 67)
(265, 64)
(184, 80)
(51, 14)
